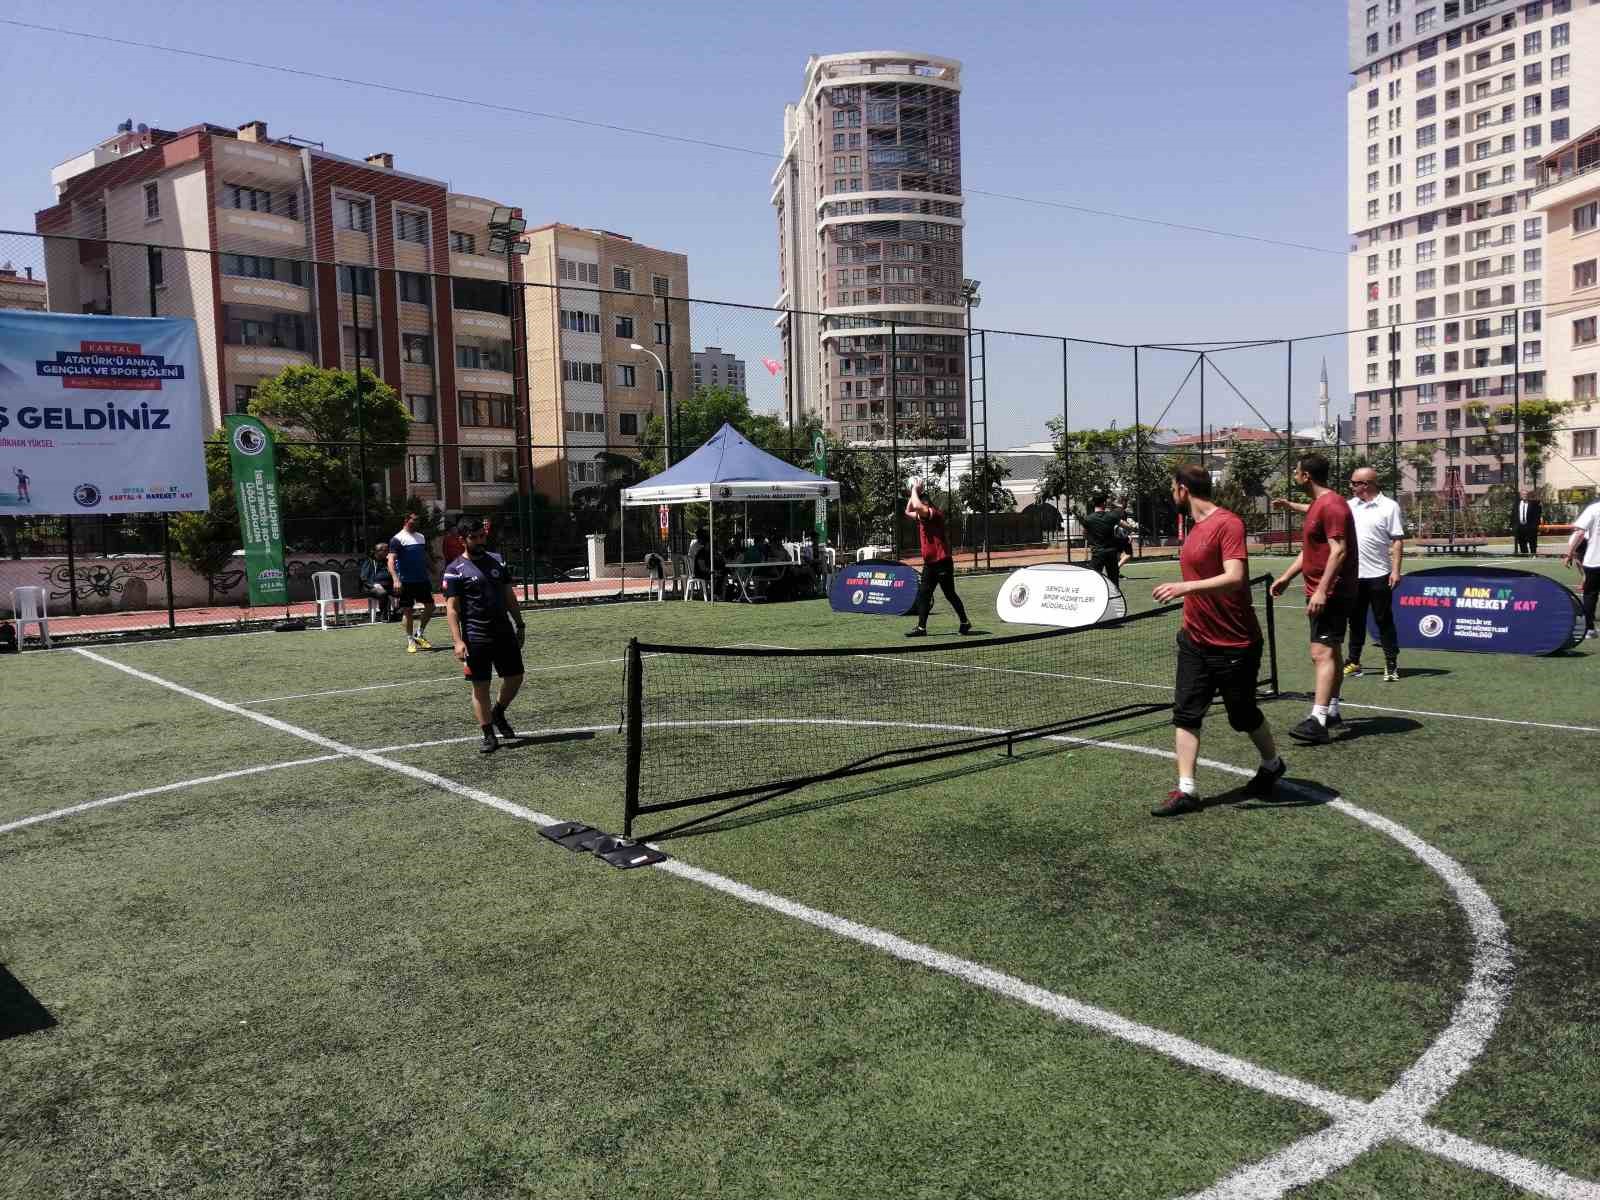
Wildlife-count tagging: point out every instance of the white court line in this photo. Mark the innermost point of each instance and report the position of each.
(1396, 1114)
(375, 687)
(57, 814)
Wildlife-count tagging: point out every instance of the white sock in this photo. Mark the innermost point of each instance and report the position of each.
(1187, 786)
(1273, 763)
(1319, 713)
(1333, 707)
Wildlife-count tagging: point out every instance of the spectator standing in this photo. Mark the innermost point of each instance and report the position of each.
(1219, 644)
(412, 576)
(1525, 519)
(1327, 558)
(938, 567)
(1586, 540)
(486, 626)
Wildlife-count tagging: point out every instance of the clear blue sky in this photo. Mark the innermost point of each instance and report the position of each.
(1230, 116)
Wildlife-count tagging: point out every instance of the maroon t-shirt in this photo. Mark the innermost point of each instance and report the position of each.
(930, 528)
(1223, 619)
(1330, 515)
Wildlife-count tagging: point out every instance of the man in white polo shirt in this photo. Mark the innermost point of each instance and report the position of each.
(1586, 529)
(1380, 541)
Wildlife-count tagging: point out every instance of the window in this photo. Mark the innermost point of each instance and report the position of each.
(580, 322)
(1583, 331)
(581, 372)
(1373, 426)
(412, 227)
(422, 468)
(1425, 364)
(1532, 291)
(1426, 336)
(624, 327)
(357, 280)
(253, 266)
(1583, 387)
(494, 356)
(1532, 322)
(416, 348)
(626, 375)
(1531, 74)
(1427, 164)
(420, 407)
(622, 279)
(628, 424)
(1583, 443)
(579, 272)
(362, 342)
(1372, 264)
(1427, 135)
(1372, 154)
(415, 289)
(584, 422)
(1560, 35)
(1426, 279)
(660, 285)
(248, 198)
(462, 243)
(1372, 126)
(158, 268)
(1531, 137)
(243, 393)
(1560, 130)
(1372, 210)
(1532, 229)
(152, 202)
(348, 213)
(483, 409)
(1426, 250)
(1586, 216)
(1427, 193)
(1533, 260)
(1427, 106)
(1560, 98)
(1583, 275)
(1533, 43)
(1427, 422)
(1372, 181)
(473, 467)
(1560, 66)
(661, 333)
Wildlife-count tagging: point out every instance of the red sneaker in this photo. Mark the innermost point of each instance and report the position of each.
(1176, 804)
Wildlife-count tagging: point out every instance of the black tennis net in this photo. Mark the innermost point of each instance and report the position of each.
(734, 726)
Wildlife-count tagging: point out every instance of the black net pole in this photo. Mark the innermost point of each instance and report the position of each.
(1138, 458)
(634, 722)
(894, 438)
(1066, 445)
(1272, 634)
(166, 554)
(1394, 410)
(1516, 401)
(1288, 438)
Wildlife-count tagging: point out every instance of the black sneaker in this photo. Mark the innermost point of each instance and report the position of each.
(490, 743)
(503, 727)
(917, 631)
(1335, 724)
(966, 629)
(1176, 804)
(1310, 731)
(1264, 782)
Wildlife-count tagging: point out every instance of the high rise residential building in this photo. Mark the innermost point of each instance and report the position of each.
(1569, 198)
(591, 392)
(1452, 106)
(22, 290)
(869, 205)
(299, 256)
(715, 367)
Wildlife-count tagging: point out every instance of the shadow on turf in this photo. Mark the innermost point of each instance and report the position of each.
(1292, 792)
(1361, 727)
(20, 1013)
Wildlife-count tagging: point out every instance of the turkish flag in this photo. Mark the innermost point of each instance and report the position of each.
(772, 365)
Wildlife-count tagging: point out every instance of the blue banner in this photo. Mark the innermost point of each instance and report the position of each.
(886, 588)
(1484, 610)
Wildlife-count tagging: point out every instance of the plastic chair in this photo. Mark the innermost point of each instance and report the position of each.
(328, 594)
(29, 605)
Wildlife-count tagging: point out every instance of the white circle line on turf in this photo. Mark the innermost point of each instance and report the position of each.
(1392, 1116)
(456, 678)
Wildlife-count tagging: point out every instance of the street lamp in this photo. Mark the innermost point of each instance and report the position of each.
(666, 413)
(505, 227)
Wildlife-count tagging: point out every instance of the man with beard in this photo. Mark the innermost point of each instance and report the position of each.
(1219, 645)
(486, 625)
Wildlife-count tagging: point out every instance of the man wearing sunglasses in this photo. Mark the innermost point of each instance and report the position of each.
(1380, 542)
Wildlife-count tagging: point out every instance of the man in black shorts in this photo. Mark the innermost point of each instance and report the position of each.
(1329, 562)
(1101, 530)
(486, 624)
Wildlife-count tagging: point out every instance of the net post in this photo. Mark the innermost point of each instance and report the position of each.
(634, 722)
(1272, 634)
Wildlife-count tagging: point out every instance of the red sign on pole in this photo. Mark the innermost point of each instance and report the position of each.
(665, 511)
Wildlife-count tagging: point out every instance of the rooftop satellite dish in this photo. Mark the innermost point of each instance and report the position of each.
(143, 128)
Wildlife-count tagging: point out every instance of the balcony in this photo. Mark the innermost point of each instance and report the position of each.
(265, 293)
(256, 162)
(261, 360)
(488, 325)
(239, 226)
(477, 266)
(484, 379)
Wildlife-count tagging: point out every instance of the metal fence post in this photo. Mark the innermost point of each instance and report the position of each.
(72, 568)
(166, 554)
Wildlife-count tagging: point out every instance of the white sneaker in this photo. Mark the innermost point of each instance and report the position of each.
(1588, 634)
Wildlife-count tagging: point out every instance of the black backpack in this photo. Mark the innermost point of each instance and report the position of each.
(8, 638)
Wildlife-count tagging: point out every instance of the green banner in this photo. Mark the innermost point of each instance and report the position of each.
(255, 487)
(819, 463)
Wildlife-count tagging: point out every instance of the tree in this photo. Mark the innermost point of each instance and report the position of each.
(1540, 422)
(983, 490)
(1251, 466)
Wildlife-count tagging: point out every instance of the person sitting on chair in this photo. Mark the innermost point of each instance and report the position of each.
(375, 579)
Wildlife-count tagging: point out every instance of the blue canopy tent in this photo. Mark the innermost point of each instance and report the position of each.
(728, 468)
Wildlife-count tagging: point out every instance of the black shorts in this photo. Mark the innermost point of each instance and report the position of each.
(1329, 626)
(414, 593)
(503, 655)
(1205, 671)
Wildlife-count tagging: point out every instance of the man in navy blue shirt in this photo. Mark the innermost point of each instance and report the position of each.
(486, 625)
(412, 576)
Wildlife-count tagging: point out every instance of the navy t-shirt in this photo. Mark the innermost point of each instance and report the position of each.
(481, 587)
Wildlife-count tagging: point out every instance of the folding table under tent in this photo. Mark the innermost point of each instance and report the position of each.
(727, 469)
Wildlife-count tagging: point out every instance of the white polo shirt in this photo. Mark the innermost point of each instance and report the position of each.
(1377, 525)
(1588, 524)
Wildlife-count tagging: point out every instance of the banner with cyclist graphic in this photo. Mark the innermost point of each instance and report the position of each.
(100, 415)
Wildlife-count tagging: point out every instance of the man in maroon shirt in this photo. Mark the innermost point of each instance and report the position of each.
(1330, 564)
(938, 567)
(1219, 645)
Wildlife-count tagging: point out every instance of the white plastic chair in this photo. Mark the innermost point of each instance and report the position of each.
(688, 580)
(329, 594)
(29, 605)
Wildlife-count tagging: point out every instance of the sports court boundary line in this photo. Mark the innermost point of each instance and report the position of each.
(1396, 1115)
(456, 678)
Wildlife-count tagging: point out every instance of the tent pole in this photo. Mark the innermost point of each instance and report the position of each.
(622, 547)
(711, 550)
